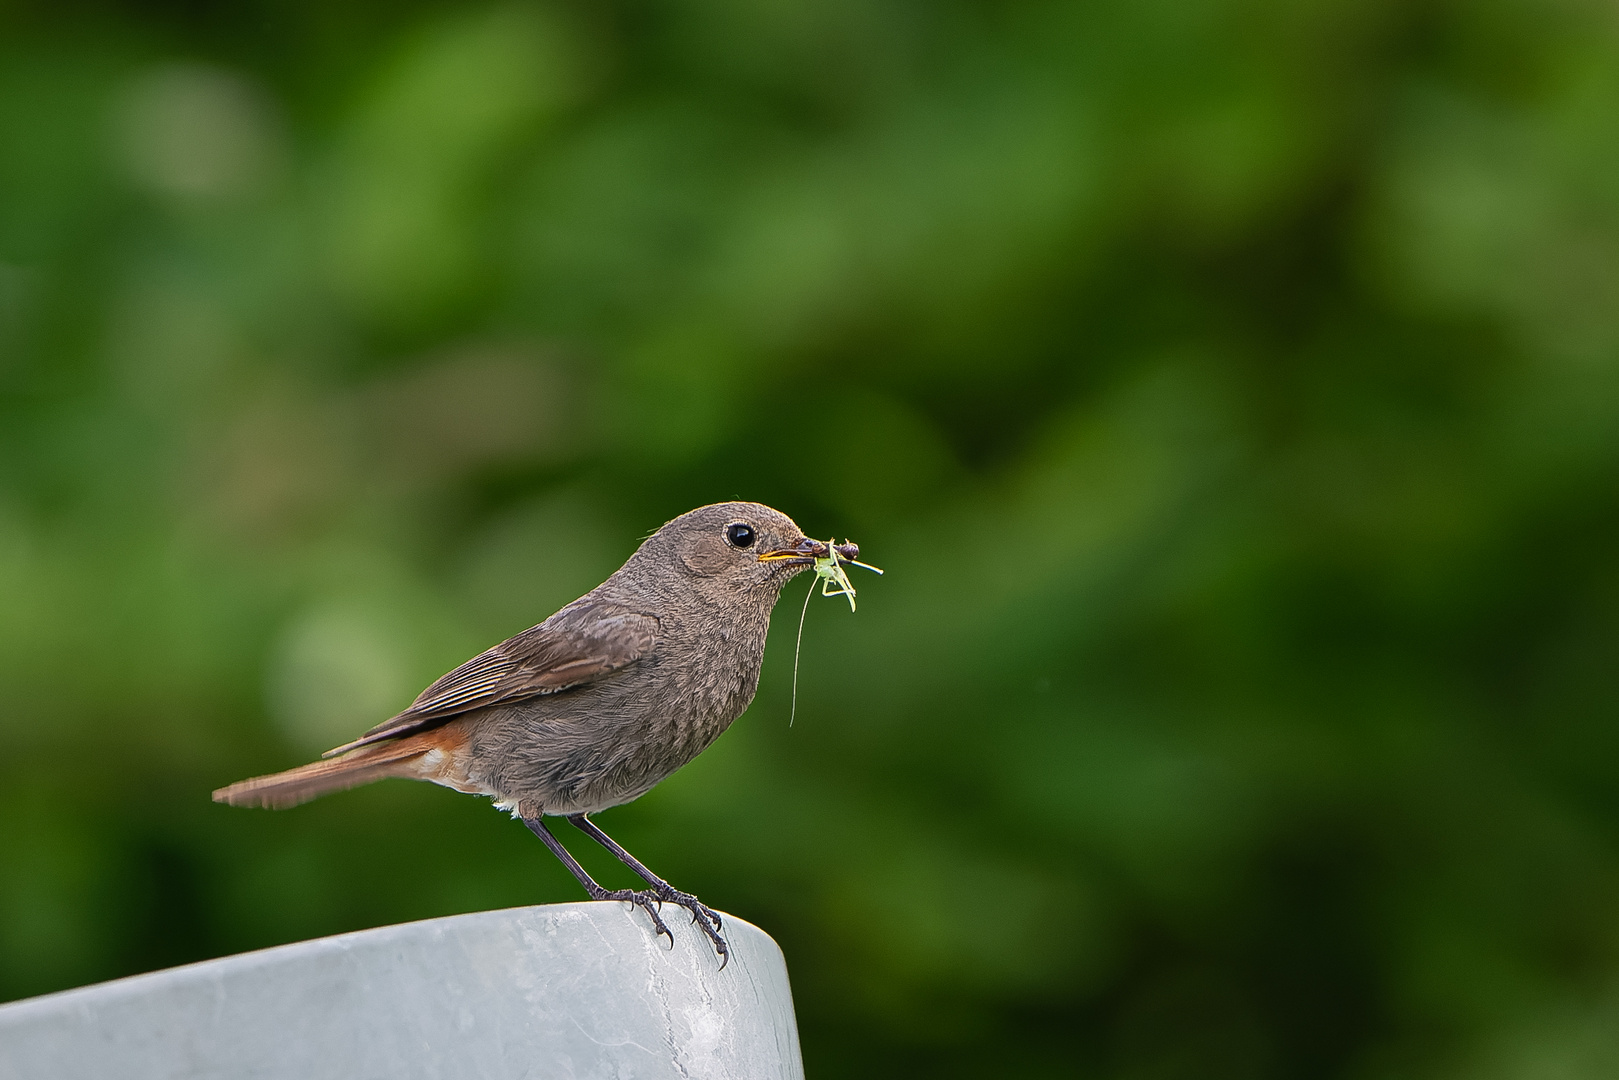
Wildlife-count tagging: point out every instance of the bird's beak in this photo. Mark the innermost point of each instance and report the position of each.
(804, 552)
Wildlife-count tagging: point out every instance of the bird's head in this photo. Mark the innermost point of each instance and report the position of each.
(735, 549)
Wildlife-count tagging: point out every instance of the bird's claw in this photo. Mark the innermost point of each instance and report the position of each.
(701, 915)
(652, 900)
(647, 901)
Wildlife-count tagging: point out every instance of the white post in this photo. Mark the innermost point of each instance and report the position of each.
(566, 990)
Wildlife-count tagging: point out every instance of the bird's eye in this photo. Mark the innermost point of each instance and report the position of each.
(739, 535)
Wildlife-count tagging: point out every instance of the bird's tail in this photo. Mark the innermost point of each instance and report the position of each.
(374, 762)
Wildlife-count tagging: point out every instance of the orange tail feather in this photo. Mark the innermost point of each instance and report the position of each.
(362, 766)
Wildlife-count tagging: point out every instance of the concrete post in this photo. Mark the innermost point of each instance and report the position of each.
(565, 990)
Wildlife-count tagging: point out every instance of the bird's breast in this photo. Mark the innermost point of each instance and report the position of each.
(610, 741)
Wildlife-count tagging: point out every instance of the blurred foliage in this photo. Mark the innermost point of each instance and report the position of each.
(1230, 388)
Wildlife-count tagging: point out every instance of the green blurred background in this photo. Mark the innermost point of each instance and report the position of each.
(1230, 388)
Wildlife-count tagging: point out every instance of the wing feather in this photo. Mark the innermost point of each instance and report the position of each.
(577, 645)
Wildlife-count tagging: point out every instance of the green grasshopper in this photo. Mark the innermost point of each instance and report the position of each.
(834, 582)
(829, 568)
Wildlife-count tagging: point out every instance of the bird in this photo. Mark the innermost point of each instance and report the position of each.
(594, 706)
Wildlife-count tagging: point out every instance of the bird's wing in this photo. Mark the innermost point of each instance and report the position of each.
(575, 646)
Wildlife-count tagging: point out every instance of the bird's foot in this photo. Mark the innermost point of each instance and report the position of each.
(645, 899)
(701, 914)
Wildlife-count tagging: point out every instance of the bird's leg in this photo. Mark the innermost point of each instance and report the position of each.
(701, 914)
(646, 899)
(664, 890)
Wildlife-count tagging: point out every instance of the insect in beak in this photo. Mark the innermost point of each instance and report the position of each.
(834, 582)
(829, 568)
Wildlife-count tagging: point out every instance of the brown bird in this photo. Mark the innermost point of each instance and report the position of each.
(598, 703)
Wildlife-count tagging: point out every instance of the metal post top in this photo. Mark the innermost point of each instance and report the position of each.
(568, 990)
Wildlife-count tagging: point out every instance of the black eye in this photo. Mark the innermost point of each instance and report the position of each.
(739, 535)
